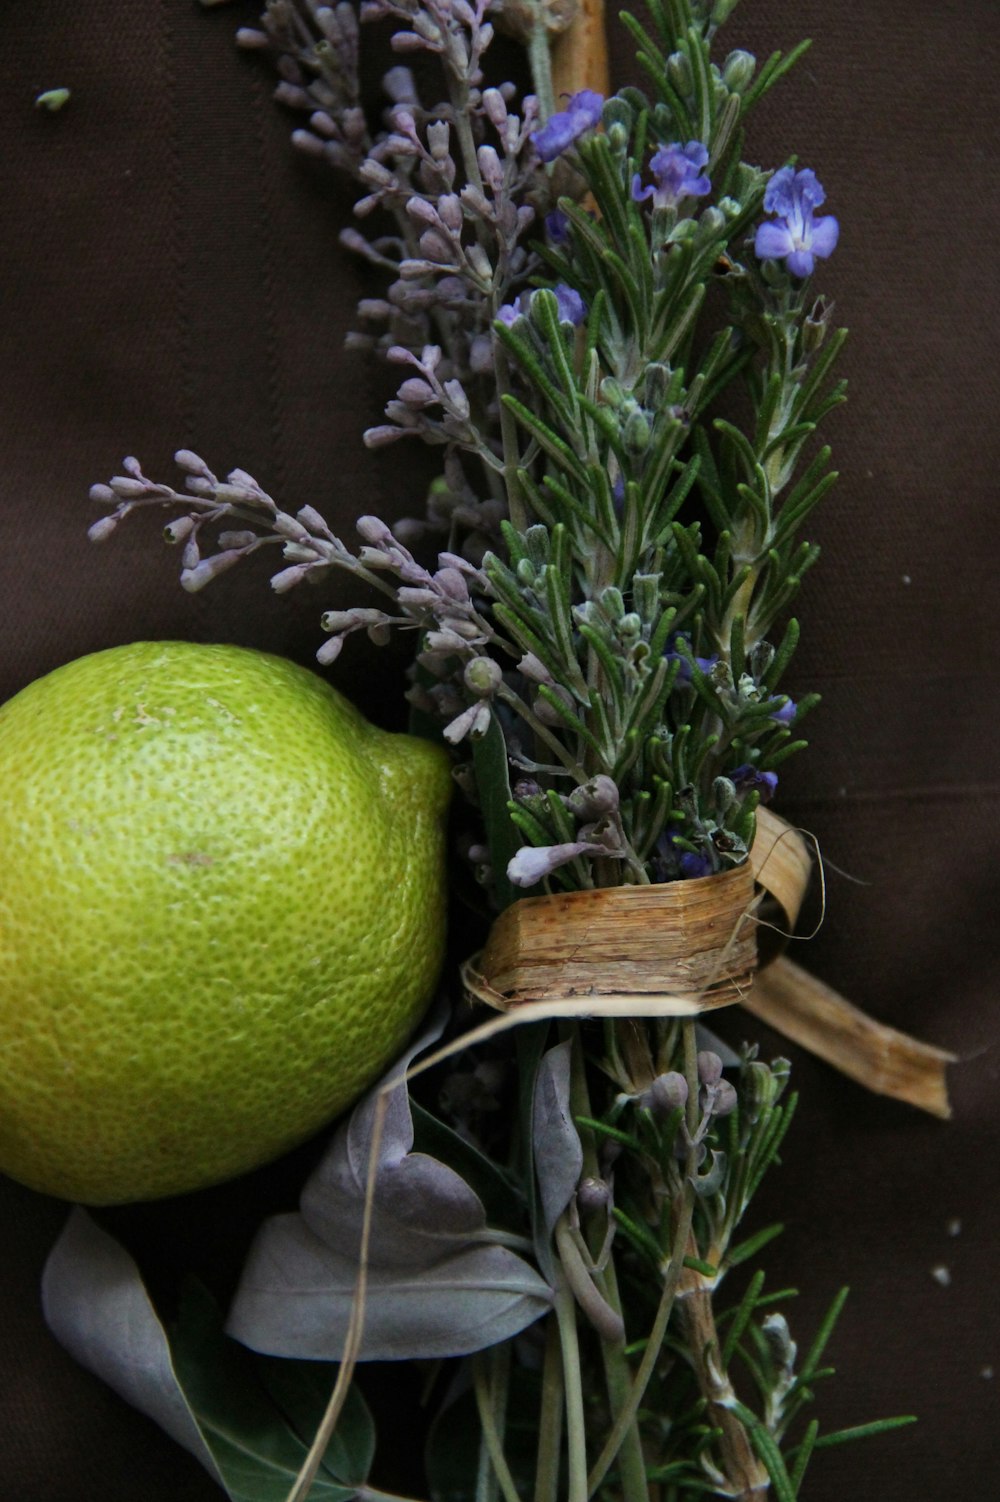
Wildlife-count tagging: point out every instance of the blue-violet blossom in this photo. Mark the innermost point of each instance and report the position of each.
(703, 664)
(570, 306)
(796, 236)
(747, 778)
(566, 126)
(677, 174)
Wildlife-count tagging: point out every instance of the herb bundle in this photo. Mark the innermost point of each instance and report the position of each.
(605, 319)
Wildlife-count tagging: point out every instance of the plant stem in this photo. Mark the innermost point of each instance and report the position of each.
(490, 1375)
(654, 1343)
(632, 1463)
(576, 1430)
(745, 1473)
(540, 63)
(550, 1419)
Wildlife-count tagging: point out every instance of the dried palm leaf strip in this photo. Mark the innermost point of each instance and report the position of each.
(686, 945)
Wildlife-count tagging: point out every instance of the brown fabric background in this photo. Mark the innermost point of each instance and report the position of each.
(170, 277)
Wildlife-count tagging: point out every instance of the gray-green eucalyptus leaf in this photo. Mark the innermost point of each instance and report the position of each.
(439, 1284)
(248, 1420)
(558, 1152)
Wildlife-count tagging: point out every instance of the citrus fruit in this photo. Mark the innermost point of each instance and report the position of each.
(221, 914)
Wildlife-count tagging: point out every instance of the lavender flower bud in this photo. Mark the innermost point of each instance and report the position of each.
(438, 139)
(482, 676)
(491, 167)
(351, 620)
(481, 354)
(594, 1195)
(373, 530)
(418, 208)
(450, 210)
(709, 1067)
(378, 437)
(534, 669)
(532, 863)
(679, 73)
(330, 651)
(457, 399)
(323, 124)
(178, 529)
(127, 488)
(725, 1099)
(250, 37)
(667, 1093)
(307, 143)
(102, 528)
(417, 599)
(415, 392)
(310, 517)
(399, 84)
(292, 95)
(474, 721)
(102, 495)
(595, 798)
(286, 578)
(496, 109)
(193, 579)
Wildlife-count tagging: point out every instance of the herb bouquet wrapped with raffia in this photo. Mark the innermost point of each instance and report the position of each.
(610, 326)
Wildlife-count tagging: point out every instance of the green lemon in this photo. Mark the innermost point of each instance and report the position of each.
(221, 915)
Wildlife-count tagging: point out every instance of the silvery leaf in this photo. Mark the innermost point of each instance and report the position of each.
(297, 1292)
(438, 1282)
(248, 1420)
(96, 1305)
(558, 1153)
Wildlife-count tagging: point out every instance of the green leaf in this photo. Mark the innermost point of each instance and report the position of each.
(258, 1420)
(864, 1431)
(248, 1419)
(489, 757)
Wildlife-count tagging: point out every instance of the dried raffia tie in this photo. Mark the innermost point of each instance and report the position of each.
(680, 948)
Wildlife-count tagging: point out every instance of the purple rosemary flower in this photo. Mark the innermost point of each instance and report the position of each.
(512, 311)
(557, 227)
(571, 306)
(566, 126)
(533, 863)
(747, 779)
(672, 860)
(786, 714)
(703, 664)
(677, 174)
(795, 236)
(694, 863)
